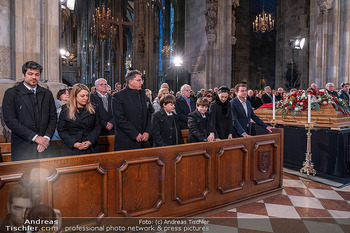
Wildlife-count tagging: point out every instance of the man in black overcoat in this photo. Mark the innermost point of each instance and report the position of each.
(131, 115)
(267, 97)
(30, 113)
(102, 100)
(184, 105)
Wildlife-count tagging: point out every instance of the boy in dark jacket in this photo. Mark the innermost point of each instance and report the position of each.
(165, 126)
(199, 123)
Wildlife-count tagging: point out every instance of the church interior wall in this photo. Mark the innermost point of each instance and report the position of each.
(292, 21)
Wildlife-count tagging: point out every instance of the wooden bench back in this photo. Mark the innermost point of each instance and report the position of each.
(163, 181)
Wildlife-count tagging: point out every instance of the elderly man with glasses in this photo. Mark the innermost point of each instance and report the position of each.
(102, 100)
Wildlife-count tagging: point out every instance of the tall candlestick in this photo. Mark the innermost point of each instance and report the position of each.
(308, 109)
(273, 107)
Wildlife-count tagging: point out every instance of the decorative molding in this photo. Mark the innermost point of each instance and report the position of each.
(259, 158)
(58, 172)
(235, 3)
(211, 16)
(233, 28)
(180, 159)
(122, 172)
(220, 166)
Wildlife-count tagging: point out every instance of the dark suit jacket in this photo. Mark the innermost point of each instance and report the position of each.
(131, 117)
(85, 127)
(334, 93)
(266, 98)
(182, 110)
(105, 116)
(344, 95)
(199, 128)
(19, 116)
(241, 122)
(163, 131)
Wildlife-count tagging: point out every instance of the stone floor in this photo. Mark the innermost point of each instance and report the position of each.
(303, 206)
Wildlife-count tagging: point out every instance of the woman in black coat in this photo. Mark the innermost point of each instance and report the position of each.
(220, 113)
(166, 130)
(79, 124)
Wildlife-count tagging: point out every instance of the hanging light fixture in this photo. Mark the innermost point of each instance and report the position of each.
(263, 22)
(101, 27)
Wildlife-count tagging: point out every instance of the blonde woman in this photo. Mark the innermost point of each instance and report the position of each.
(161, 93)
(79, 124)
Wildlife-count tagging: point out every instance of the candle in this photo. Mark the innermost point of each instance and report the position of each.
(308, 109)
(273, 107)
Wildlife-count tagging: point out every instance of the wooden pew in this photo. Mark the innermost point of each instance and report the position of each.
(164, 181)
(106, 144)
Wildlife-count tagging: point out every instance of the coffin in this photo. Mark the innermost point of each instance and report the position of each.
(327, 116)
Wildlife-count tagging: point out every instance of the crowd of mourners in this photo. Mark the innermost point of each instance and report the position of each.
(135, 116)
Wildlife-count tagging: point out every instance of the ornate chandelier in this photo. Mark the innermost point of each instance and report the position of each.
(167, 50)
(263, 23)
(101, 25)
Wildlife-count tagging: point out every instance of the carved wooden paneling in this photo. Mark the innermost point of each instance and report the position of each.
(80, 189)
(232, 168)
(191, 176)
(7, 182)
(141, 186)
(264, 161)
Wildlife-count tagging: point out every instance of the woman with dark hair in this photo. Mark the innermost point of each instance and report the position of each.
(208, 94)
(79, 124)
(220, 113)
(62, 99)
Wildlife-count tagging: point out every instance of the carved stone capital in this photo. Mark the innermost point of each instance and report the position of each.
(235, 3)
(233, 40)
(325, 5)
(211, 38)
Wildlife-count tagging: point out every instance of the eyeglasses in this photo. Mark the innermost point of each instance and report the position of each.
(103, 84)
(139, 80)
(209, 96)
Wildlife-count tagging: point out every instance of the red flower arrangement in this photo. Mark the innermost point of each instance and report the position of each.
(297, 101)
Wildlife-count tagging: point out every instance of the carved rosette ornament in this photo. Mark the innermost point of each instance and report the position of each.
(211, 16)
(325, 5)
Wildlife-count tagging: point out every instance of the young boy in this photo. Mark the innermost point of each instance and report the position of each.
(199, 123)
(165, 126)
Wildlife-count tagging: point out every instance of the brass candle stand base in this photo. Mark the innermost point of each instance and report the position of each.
(308, 165)
(273, 123)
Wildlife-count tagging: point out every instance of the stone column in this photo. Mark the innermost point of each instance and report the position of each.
(6, 50)
(344, 41)
(325, 7)
(49, 48)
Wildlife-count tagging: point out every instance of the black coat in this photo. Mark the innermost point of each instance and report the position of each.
(105, 116)
(182, 110)
(344, 95)
(199, 128)
(85, 127)
(266, 98)
(19, 116)
(240, 120)
(163, 131)
(131, 116)
(220, 114)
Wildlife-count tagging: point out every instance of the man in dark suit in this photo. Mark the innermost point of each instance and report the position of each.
(184, 105)
(131, 116)
(267, 97)
(103, 101)
(344, 92)
(30, 113)
(242, 112)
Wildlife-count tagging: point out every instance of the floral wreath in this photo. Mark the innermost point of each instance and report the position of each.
(297, 101)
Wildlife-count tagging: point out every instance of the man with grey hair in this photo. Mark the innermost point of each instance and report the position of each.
(184, 105)
(131, 115)
(330, 90)
(102, 100)
(164, 85)
(267, 97)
